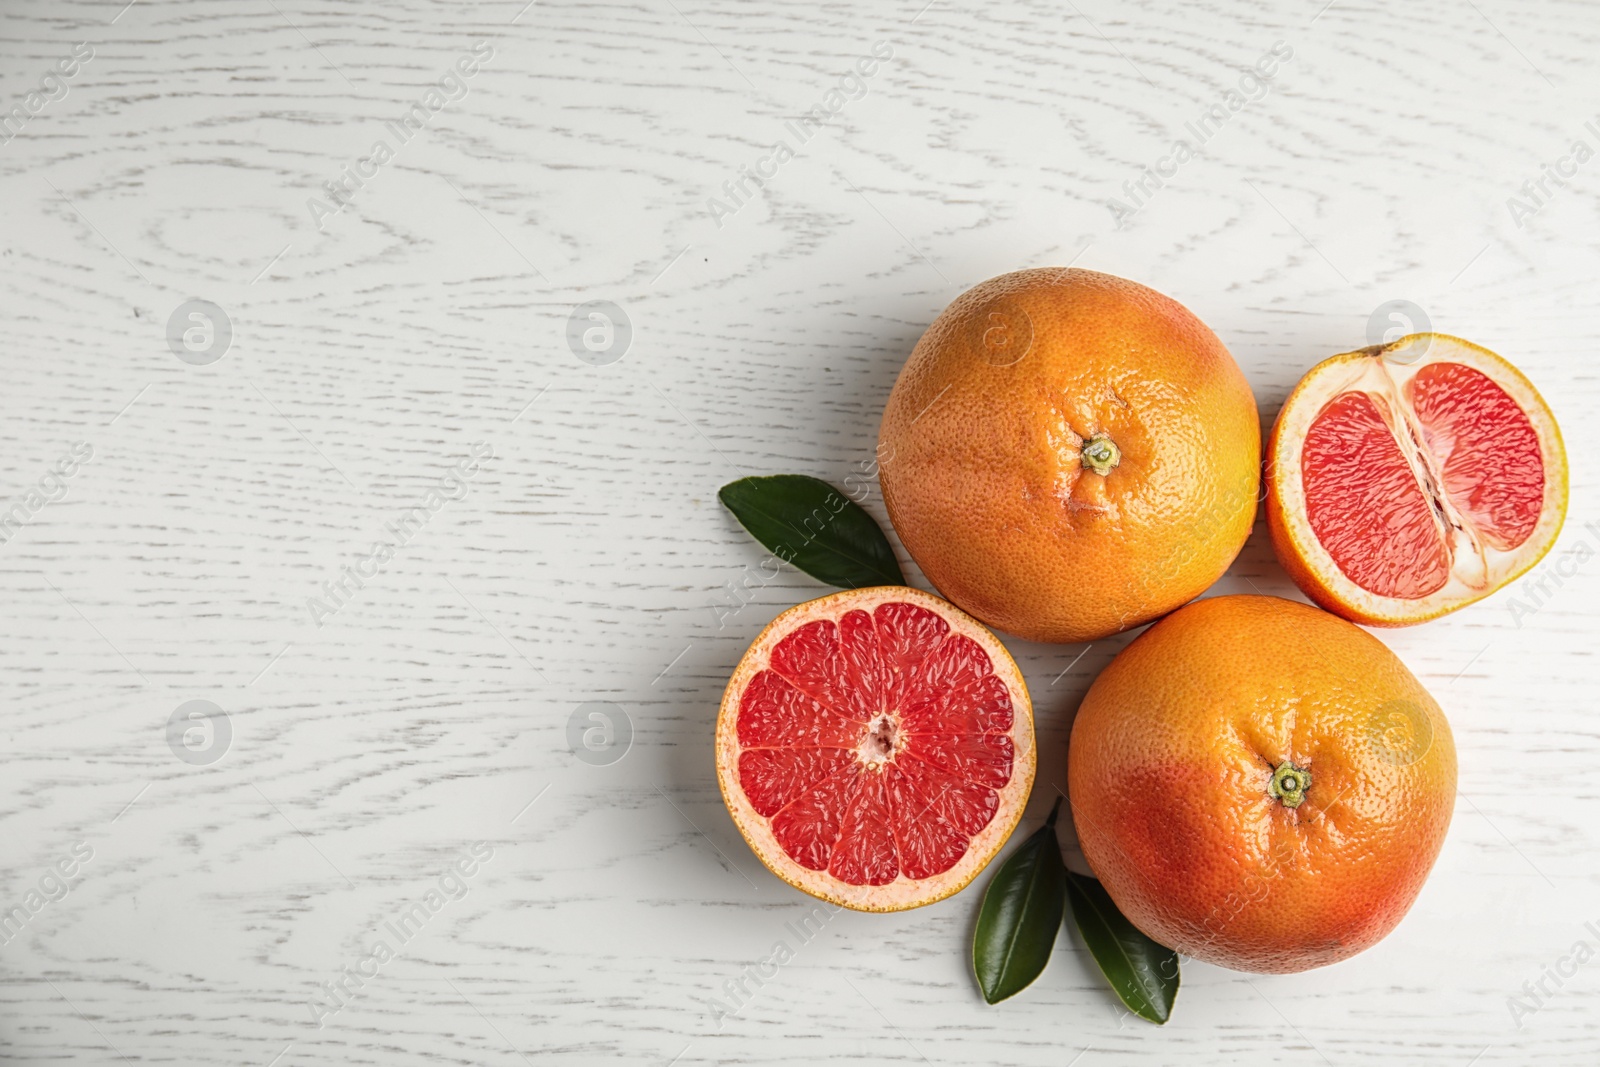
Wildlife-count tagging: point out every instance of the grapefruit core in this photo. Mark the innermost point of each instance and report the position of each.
(1410, 479)
(875, 747)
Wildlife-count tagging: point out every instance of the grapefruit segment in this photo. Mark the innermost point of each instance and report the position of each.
(875, 747)
(925, 846)
(859, 661)
(1489, 451)
(957, 661)
(808, 826)
(774, 714)
(865, 851)
(774, 778)
(1365, 504)
(981, 758)
(1410, 479)
(980, 708)
(963, 804)
(811, 660)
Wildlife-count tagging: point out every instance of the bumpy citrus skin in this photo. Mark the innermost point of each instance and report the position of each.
(1170, 776)
(981, 454)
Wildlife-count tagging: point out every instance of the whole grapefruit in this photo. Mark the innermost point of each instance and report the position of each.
(1068, 454)
(1260, 784)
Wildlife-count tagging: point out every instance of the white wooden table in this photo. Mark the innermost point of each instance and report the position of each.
(224, 870)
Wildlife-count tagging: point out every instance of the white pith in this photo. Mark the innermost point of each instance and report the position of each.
(883, 741)
(1476, 568)
(903, 892)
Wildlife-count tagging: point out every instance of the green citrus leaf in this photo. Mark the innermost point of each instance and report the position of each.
(807, 522)
(1020, 916)
(1141, 972)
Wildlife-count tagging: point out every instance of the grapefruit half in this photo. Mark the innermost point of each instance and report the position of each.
(1410, 479)
(875, 747)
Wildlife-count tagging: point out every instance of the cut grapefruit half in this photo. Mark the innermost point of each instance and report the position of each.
(1410, 479)
(875, 747)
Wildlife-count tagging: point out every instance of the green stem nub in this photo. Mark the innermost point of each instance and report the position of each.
(1289, 784)
(1100, 454)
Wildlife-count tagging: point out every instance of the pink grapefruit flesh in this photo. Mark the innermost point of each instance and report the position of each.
(1410, 479)
(875, 747)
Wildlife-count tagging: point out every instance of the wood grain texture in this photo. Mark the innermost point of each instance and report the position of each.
(585, 560)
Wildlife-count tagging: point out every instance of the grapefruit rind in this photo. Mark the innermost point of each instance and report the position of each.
(1171, 768)
(1388, 368)
(903, 893)
(983, 467)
